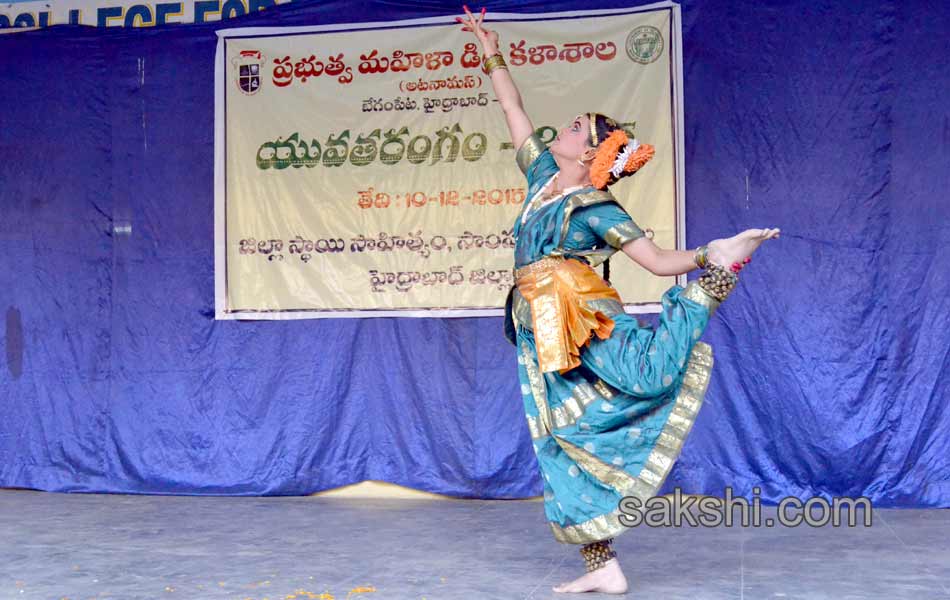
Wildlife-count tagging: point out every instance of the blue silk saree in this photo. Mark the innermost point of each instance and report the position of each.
(612, 425)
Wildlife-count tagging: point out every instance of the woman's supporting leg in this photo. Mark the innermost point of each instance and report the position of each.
(596, 554)
(603, 571)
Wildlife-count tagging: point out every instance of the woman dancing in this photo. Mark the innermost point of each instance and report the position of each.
(608, 402)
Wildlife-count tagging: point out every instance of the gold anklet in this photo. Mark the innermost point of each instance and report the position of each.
(718, 282)
(596, 554)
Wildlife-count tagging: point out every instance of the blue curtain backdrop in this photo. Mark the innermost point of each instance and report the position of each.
(828, 119)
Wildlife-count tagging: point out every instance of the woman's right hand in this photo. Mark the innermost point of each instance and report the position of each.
(506, 92)
(487, 37)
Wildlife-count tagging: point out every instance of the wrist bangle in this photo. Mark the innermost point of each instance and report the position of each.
(495, 61)
(701, 258)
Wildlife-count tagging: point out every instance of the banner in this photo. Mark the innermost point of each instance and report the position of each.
(22, 16)
(368, 170)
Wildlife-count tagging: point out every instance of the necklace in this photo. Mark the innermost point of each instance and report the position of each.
(553, 191)
(542, 198)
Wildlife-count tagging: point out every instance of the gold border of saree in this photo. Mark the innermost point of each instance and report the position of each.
(669, 444)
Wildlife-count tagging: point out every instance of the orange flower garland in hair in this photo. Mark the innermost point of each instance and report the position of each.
(640, 157)
(606, 156)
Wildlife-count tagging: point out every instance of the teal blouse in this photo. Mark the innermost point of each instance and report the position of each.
(586, 223)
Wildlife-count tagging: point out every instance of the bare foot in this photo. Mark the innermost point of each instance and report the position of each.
(726, 251)
(608, 579)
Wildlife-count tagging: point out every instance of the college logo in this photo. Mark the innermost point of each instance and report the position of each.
(248, 67)
(645, 44)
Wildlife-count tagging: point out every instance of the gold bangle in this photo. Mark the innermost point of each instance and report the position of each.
(701, 258)
(495, 61)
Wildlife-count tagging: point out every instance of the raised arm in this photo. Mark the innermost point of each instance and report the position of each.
(519, 125)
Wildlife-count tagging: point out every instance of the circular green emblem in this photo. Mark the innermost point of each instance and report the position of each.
(645, 44)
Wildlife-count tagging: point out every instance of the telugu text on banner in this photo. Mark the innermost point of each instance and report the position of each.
(368, 171)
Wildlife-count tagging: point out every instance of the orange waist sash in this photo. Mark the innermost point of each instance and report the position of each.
(557, 290)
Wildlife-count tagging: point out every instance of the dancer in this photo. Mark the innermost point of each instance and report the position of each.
(608, 402)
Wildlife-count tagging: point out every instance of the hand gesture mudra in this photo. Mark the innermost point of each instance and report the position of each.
(487, 37)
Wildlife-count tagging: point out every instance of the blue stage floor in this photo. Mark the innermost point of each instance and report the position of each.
(82, 546)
